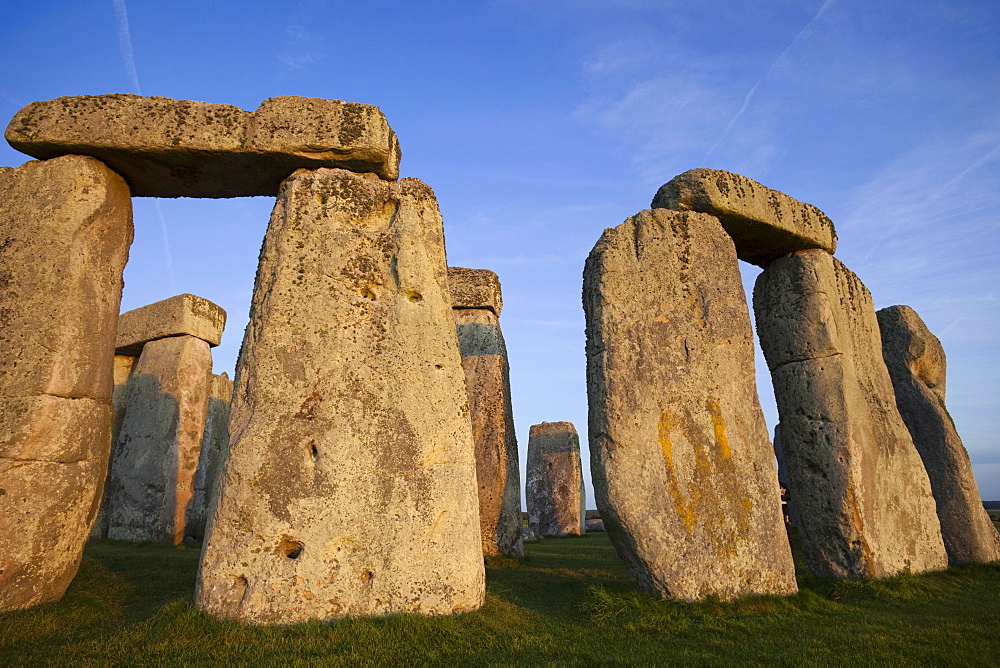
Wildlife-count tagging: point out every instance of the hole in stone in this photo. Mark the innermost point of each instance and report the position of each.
(367, 576)
(415, 297)
(291, 549)
(438, 366)
(368, 294)
(313, 450)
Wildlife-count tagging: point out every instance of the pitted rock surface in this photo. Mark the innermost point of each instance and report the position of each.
(350, 485)
(917, 366)
(555, 494)
(70, 221)
(683, 470)
(151, 476)
(861, 494)
(475, 288)
(764, 223)
(487, 376)
(214, 444)
(176, 316)
(181, 148)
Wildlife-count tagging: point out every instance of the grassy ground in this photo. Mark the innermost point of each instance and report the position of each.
(569, 602)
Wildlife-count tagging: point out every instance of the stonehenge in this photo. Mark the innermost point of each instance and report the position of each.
(69, 220)
(554, 489)
(476, 304)
(683, 470)
(350, 483)
(214, 445)
(916, 362)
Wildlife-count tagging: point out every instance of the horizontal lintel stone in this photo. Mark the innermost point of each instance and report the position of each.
(177, 316)
(475, 288)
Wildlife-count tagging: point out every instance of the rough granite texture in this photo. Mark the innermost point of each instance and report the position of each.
(764, 224)
(683, 470)
(175, 316)
(123, 368)
(180, 148)
(70, 221)
(917, 366)
(475, 288)
(555, 494)
(151, 476)
(214, 444)
(487, 376)
(350, 485)
(861, 494)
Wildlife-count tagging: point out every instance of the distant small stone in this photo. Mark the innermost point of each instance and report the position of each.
(595, 525)
(555, 494)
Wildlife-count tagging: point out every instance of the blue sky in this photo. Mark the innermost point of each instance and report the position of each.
(540, 123)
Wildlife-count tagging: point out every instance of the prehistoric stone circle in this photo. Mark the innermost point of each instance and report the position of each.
(70, 221)
(555, 494)
(181, 315)
(764, 224)
(151, 476)
(683, 470)
(350, 485)
(861, 492)
(476, 305)
(916, 362)
(180, 148)
(214, 444)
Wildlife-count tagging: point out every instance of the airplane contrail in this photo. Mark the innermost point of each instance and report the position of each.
(749, 96)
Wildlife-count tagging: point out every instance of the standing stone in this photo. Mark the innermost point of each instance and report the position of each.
(65, 230)
(861, 493)
(151, 479)
(214, 444)
(350, 485)
(916, 362)
(556, 499)
(182, 148)
(764, 223)
(786, 501)
(683, 470)
(123, 369)
(476, 307)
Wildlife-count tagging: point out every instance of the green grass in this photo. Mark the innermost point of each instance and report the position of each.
(571, 601)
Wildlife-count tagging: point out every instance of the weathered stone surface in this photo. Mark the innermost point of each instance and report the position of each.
(683, 471)
(350, 485)
(861, 495)
(151, 478)
(487, 376)
(175, 316)
(181, 148)
(556, 499)
(214, 444)
(122, 370)
(764, 224)
(65, 229)
(917, 366)
(475, 288)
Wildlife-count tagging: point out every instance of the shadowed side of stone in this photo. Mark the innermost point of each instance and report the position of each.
(65, 229)
(350, 484)
(683, 470)
(123, 369)
(181, 148)
(764, 223)
(176, 316)
(554, 488)
(214, 444)
(916, 362)
(860, 490)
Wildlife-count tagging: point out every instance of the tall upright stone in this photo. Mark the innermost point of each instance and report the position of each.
(151, 478)
(476, 305)
(917, 366)
(860, 490)
(123, 369)
(683, 470)
(65, 230)
(350, 485)
(557, 504)
(214, 444)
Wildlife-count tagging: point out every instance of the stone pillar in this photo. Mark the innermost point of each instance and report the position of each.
(556, 498)
(860, 490)
(151, 475)
(917, 366)
(683, 470)
(476, 304)
(123, 369)
(214, 445)
(350, 485)
(65, 230)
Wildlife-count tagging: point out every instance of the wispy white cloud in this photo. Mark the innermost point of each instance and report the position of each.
(125, 44)
(301, 48)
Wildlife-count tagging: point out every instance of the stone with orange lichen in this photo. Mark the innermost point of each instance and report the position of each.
(683, 471)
